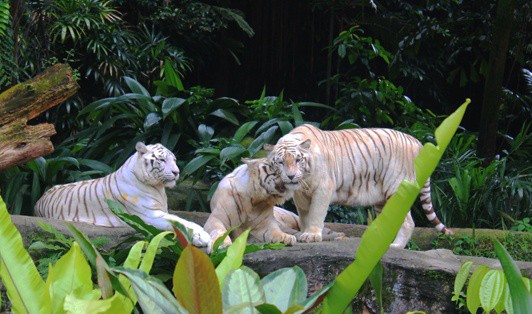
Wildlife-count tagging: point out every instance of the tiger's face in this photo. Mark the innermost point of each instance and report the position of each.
(290, 161)
(262, 171)
(157, 165)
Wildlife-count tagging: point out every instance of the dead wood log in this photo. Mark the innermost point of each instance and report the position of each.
(19, 142)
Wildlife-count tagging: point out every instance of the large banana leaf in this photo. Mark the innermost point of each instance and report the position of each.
(25, 288)
(382, 231)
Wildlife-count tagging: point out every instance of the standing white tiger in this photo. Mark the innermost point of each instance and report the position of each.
(139, 185)
(348, 167)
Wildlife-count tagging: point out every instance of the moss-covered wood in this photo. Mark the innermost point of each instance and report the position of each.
(19, 142)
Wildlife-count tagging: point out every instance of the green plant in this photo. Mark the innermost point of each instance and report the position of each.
(493, 289)
(522, 225)
(23, 185)
(48, 248)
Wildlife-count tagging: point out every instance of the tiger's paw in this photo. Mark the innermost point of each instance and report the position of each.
(310, 237)
(200, 238)
(277, 236)
(215, 236)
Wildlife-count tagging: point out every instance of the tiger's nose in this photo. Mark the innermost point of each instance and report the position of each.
(291, 177)
(175, 172)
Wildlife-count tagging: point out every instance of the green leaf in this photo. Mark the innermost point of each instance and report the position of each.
(312, 301)
(268, 309)
(171, 104)
(136, 87)
(380, 234)
(92, 304)
(231, 152)
(315, 104)
(521, 299)
(285, 287)
(233, 259)
(94, 257)
(243, 131)
(491, 289)
(227, 115)
(71, 274)
(473, 288)
(197, 163)
(151, 251)
(242, 289)
(461, 278)
(171, 77)
(153, 296)
(262, 139)
(376, 282)
(151, 119)
(25, 288)
(298, 119)
(195, 282)
(205, 133)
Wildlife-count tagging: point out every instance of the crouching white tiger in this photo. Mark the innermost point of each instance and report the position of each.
(246, 198)
(139, 185)
(348, 167)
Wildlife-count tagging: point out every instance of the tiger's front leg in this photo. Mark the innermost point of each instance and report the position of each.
(273, 235)
(200, 238)
(312, 211)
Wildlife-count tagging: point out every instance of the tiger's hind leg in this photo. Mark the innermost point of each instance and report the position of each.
(405, 233)
(290, 223)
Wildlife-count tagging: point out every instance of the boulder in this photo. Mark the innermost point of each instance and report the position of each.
(413, 280)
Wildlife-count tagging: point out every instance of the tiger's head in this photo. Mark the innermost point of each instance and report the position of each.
(289, 159)
(156, 165)
(263, 175)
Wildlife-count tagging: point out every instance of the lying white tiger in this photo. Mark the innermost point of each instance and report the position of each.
(138, 185)
(348, 167)
(246, 198)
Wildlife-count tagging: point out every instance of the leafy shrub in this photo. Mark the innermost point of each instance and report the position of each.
(493, 289)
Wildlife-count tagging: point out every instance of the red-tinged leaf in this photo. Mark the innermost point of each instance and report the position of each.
(195, 282)
(180, 237)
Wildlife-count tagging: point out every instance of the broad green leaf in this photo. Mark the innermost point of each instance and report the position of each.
(521, 299)
(298, 119)
(315, 104)
(171, 77)
(92, 305)
(243, 131)
(171, 104)
(502, 302)
(151, 251)
(312, 301)
(227, 115)
(376, 282)
(94, 257)
(473, 288)
(461, 278)
(195, 283)
(380, 234)
(233, 259)
(136, 87)
(243, 287)
(25, 288)
(268, 309)
(231, 152)
(71, 274)
(151, 119)
(132, 261)
(205, 133)
(285, 287)
(153, 296)
(197, 163)
(262, 139)
(491, 289)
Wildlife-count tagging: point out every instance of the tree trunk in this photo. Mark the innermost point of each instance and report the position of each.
(20, 143)
(487, 146)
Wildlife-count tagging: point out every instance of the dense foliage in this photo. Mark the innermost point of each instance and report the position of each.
(135, 60)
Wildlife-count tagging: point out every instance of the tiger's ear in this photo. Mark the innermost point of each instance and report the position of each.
(305, 144)
(246, 160)
(268, 147)
(141, 148)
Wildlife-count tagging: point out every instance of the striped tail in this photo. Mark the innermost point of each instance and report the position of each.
(426, 203)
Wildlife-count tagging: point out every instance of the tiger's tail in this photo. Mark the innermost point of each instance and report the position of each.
(428, 210)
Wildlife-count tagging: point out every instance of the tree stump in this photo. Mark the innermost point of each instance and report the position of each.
(19, 142)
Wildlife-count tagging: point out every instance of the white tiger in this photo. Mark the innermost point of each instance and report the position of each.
(139, 185)
(348, 167)
(246, 198)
